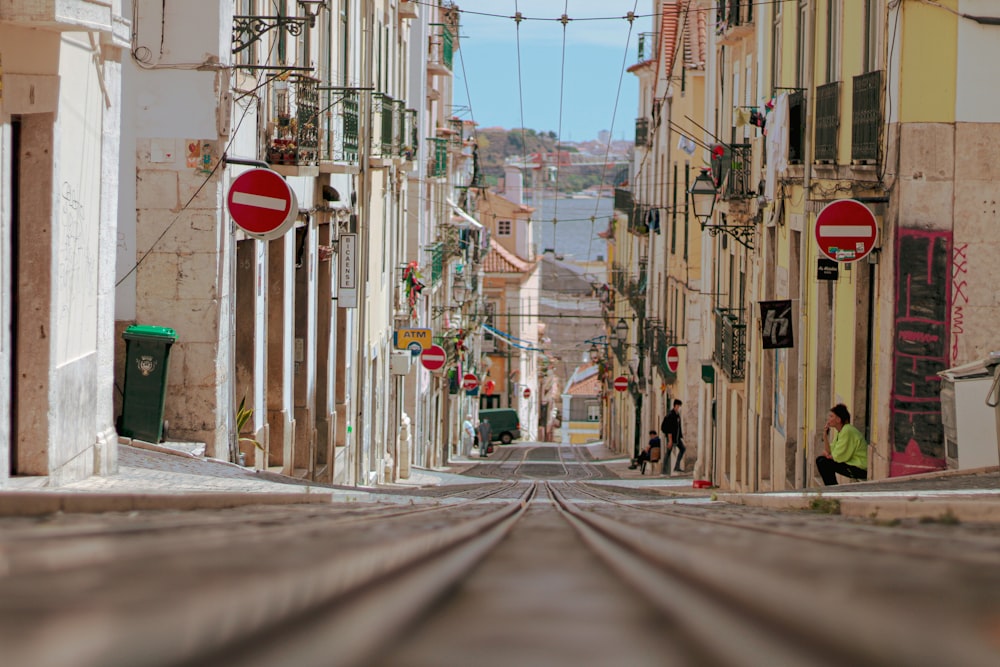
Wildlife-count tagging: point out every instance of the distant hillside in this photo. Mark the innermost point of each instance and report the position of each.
(497, 145)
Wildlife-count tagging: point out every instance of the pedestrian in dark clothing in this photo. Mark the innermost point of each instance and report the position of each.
(651, 453)
(485, 437)
(671, 428)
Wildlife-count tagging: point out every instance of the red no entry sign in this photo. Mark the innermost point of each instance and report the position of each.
(262, 203)
(433, 358)
(526, 393)
(846, 230)
(621, 383)
(673, 356)
(469, 382)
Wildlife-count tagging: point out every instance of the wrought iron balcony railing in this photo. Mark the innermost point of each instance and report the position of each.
(827, 121)
(735, 12)
(456, 127)
(441, 49)
(437, 262)
(437, 166)
(660, 339)
(642, 136)
(623, 200)
(294, 135)
(866, 117)
(339, 132)
(739, 184)
(734, 20)
(730, 343)
(386, 128)
(410, 134)
(649, 43)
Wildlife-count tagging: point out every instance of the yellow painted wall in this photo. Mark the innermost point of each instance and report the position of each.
(847, 335)
(583, 432)
(930, 59)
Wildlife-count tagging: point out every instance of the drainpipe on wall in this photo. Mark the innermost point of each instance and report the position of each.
(364, 225)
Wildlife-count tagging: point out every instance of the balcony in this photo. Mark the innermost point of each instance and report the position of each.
(386, 130)
(631, 287)
(649, 43)
(437, 164)
(456, 133)
(642, 135)
(739, 184)
(827, 122)
(410, 136)
(293, 137)
(339, 132)
(730, 343)
(440, 49)
(734, 20)
(437, 263)
(660, 339)
(408, 9)
(866, 118)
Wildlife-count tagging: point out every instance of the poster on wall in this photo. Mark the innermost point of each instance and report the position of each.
(776, 324)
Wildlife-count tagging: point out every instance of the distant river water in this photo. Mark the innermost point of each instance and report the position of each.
(574, 235)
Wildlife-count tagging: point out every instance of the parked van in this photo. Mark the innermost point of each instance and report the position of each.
(504, 423)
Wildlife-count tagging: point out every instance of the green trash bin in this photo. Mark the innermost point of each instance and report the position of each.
(147, 349)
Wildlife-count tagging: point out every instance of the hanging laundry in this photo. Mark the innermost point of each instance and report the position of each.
(687, 145)
(742, 117)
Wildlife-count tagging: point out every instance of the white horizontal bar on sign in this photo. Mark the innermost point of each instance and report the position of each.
(260, 201)
(832, 231)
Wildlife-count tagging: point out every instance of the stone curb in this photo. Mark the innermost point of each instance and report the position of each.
(16, 503)
(974, 509)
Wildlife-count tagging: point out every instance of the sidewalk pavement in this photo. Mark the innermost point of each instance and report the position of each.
(158, 477)
(962, 495)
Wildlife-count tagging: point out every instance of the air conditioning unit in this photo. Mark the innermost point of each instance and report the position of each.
(401, 362)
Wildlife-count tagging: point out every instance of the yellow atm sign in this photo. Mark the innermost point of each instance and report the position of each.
(407, 339)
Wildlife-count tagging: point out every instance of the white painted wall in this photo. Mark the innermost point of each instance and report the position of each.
(978, 53)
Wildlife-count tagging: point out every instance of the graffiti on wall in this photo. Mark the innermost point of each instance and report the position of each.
(920, 350)
(959, 297)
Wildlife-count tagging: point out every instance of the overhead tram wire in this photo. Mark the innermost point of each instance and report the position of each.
(208, 177)
(520, 96)
(562, 92)
(614, 116)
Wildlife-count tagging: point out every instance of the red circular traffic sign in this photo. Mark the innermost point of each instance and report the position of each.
(621, 383)
(469, 382)
(846, 230)
(433, 358)
(673, 356)
(526, 393)
(262, 203)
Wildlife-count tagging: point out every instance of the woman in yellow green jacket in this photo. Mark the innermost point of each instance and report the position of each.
(847, 453)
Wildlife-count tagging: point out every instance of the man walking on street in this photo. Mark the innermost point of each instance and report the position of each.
(485, 436)
(671, 428)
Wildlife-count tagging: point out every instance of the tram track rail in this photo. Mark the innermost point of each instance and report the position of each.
(980, 551)
(349, 597)
(735, 611)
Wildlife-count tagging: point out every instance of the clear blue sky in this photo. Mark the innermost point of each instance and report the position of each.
(595, 54)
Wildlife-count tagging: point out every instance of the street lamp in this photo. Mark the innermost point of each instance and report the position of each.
(312, 8)
(621, 331)
(703, 194)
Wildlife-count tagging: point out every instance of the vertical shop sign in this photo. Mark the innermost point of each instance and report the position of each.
(347, 285)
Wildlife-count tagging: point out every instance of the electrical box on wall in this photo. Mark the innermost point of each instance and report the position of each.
(401, 362)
